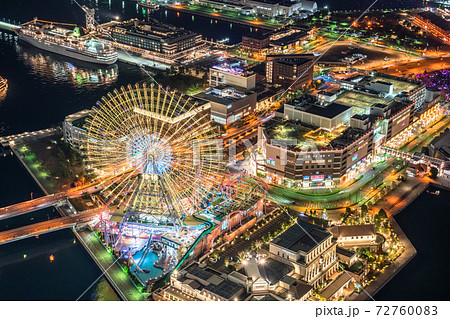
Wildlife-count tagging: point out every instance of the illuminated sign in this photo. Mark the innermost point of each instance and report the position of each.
(355, 157)
(270, 161)
(169, 243)
(317, 177)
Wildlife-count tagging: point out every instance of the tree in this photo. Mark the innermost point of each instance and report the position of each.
(258, 244)
(380, 216)
(433, 172)
(241, 256)
(215, 255)
(364, 210)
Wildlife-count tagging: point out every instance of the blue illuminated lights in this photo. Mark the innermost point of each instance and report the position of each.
(150, 153)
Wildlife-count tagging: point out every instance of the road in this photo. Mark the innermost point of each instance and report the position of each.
(47, 226)
(31, 205)
(45, 201)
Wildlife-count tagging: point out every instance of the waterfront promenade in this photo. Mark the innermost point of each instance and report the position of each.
(393, 268)
(108, 265)
(402, 197)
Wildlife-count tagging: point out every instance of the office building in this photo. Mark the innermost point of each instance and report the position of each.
(293, 70)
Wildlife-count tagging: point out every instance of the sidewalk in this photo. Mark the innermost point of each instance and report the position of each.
(402, 196)
(115, 275)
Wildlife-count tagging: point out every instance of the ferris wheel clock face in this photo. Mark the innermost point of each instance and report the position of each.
(144, 138)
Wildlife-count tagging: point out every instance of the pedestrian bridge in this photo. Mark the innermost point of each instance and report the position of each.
(7, 26)
(416, 157)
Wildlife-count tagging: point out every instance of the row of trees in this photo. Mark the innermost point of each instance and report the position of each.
(362, 216)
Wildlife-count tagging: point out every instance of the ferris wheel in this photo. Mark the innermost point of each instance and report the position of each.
(154, 152)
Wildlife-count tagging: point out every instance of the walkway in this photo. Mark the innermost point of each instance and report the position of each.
(405, 194)
(6, 140)
(402, 196)
(390, 271)
(106, 262)
(134, 60)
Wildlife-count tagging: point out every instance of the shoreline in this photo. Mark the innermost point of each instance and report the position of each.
(19, 157)
(108, 266)
(222, 18)
(406, 256)
(79, 236)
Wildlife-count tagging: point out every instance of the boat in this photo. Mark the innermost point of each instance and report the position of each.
(59, 39)
(150, 5)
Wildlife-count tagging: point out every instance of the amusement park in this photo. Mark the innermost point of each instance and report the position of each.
(167, 197)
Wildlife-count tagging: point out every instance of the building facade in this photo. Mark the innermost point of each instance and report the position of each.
(310, 249)
(229, 104)
(153, 39)
(74, 132)
(234, 74)
(293, 70)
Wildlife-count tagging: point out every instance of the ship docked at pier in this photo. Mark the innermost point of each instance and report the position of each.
(60, 39)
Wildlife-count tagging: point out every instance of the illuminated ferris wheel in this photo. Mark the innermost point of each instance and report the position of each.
(155, 153)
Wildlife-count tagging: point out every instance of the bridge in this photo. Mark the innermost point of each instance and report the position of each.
(31, 205)
(6, 140)
(48, 226)
(416, 157)
(46, 201)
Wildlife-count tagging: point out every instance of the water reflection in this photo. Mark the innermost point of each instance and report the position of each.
(53, 68)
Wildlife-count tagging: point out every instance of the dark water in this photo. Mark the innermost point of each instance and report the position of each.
(43, 88)
(27, 219)
(16, 185)
(425, 221)
(27, 273)
(35, 277)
